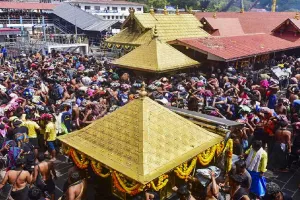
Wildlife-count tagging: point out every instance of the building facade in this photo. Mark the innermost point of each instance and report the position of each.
(108, 10)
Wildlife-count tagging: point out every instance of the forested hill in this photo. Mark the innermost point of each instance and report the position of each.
(222, 5)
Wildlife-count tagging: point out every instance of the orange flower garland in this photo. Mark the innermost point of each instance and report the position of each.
(96, 166)
(220, 148)
(81, 163)
(122, 187)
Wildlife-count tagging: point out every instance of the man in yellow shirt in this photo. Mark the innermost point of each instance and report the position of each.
(33, 127)
(256, 164)
(50, 136)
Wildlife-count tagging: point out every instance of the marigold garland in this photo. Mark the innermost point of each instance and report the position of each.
(206, 156)
(220, 148)
(229, 150)
(96, 166)
(121, 185)
(81, 163)
(183, 171)
(162, 182)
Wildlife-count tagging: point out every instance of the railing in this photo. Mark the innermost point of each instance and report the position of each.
(25, 21)
(102, 11)
(61, 27)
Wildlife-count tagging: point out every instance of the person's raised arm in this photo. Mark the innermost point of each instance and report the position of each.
(214, 186)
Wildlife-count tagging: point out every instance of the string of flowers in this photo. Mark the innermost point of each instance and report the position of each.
(220, 148)
(183, 171)
(122, 187)
(162, 182)
(229, 151)
(206, 156)
(82, 162)
(97, 168)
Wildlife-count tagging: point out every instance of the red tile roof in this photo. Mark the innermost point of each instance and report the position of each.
(253, 22)
(9, 29)
(226, 26)
(237, 47)
(109, 2)
(27, 6)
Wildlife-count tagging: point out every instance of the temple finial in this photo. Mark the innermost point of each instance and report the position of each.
(297, 16)
(165, 10)
(177, 10)
(143, 92)
(151, 10)
(215, 15)
(155, 34)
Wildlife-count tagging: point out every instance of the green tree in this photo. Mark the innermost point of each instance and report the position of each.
(157, 3)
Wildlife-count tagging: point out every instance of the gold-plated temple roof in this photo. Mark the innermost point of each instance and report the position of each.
(141, 140)
(155, 56)
(170, 27)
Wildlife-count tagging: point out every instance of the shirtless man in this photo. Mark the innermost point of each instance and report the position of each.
(282, 146)
(44, 171)
(19, 180)
(281, 108)
(77, 187)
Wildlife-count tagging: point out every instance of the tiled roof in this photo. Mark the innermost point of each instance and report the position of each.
(236, 47)
(288, 22)
(141, 140)
(253, 22)
(225, 26)
(27, 6)
(155, 56)
(107, 2)
(169, 27)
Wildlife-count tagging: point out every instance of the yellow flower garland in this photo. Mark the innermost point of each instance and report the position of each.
(162, 182)
(220, 148)
(229, 150)
(183, 171)
(96, 166)
(129, 190)
(206, 157)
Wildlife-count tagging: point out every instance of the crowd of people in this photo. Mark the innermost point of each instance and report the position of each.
(46, 96)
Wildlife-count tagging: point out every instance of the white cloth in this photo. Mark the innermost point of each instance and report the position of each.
(252, 164)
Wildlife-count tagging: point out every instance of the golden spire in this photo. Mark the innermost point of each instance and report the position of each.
(165, 10)
(242, 6)
(151, 10)
(273, 5)
(155, 34)
(297, 16)
(177, 10)
(143, 92)
(215, 15)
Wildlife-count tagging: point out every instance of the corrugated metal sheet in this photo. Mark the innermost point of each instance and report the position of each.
(81, 19)
(236, 47)
(253, 22)
(27, 6)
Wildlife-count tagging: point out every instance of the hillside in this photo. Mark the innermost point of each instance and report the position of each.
(225, 5)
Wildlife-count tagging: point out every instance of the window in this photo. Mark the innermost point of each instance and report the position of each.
(107, 8)
(121, 17)
(108, 17)
(114, 8)
(97, 7)
(139, 9)
(87, 7)
(112, 17)
(104, 17)
(123, 8)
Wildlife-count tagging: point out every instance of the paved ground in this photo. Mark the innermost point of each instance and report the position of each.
(288, 181)
(61, 166)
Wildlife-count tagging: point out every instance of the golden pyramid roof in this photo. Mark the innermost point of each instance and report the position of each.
(155, 56)
(141, 140)
(170, 27)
